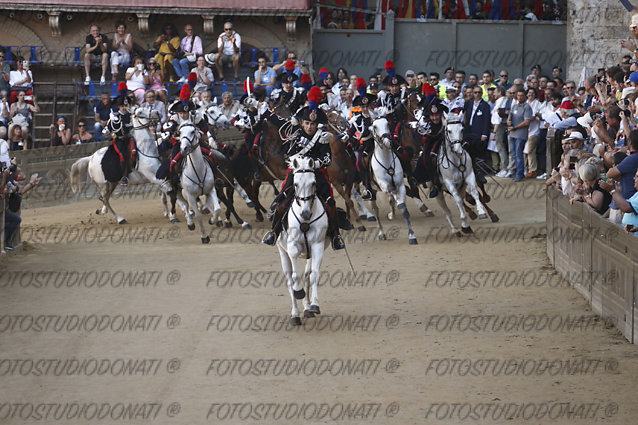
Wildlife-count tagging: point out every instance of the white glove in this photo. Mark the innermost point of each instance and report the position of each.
(251, 102)
(317, 164)
(294, 121)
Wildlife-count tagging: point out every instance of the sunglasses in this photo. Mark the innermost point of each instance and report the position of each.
(410, 75)
(503, 75)
(227, 29)
(81, 125)
(478, 92)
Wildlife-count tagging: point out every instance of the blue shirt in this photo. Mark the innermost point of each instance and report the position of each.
(632, 217)
(628, 168)
(266, 76)
(103, 111)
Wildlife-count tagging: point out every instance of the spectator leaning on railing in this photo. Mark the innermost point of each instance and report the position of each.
(60, 132)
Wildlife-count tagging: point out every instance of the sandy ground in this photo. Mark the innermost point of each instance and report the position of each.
(141, 323)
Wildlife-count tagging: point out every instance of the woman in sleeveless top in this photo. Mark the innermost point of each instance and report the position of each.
(122, 45)
(157, 80)
(137, 79)
(82, 136)
(17, 141)
(20, 112)
(60, 133)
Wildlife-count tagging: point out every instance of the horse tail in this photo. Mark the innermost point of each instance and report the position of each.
(78, 170)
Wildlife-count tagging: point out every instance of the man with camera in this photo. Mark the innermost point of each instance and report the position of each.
(96, 47)
(12, 192)
(228, 50)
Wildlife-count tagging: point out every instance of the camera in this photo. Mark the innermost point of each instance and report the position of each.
(25, 64)
(28, 98)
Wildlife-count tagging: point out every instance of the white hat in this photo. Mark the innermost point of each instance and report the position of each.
(627, 91)
(210, 58)
(634, 21)
(585, 120)
(575, 135)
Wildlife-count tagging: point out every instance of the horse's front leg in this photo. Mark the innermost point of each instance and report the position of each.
(400, 199)
(471, 187)
(286, 266)
(313, 278)
(458, 199)
(375, 209)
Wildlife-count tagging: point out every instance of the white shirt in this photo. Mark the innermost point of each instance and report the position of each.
(136, 81)
(4, 152)
(475, 106)
(17, 76)
(158, 106)
(225, 43)
(534, 125)
(551, 116)
(500, 103)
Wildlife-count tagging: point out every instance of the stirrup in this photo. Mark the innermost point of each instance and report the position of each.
(124, 181)
(337, 243)
(366, 194)
(269, 238)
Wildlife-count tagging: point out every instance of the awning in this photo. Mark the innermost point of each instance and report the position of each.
(190, 7)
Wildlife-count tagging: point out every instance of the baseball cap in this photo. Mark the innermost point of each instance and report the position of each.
(633, 77)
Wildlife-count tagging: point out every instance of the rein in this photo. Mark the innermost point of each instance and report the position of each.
(461, 167)
(149, 122)
(192, 148)
(304, 226)
(389, 170)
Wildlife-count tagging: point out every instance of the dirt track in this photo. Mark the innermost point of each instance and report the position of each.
(449, 331)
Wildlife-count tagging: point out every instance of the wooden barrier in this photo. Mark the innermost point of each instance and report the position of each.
(598, 258)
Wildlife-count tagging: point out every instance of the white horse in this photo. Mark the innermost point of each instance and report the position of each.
(305, 237)
(196, 179)
(455, 170)
(388, 174)
(148, 162)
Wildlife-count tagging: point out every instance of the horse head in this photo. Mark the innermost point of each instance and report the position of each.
(337, 121)
(216, 118)
(454, 132)
(144, 117)
(305, 183)
(188, 137)
(381, 133)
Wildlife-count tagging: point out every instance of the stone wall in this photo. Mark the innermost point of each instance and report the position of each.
(594, 31)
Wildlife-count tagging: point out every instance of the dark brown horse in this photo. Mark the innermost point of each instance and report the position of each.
(341, 171)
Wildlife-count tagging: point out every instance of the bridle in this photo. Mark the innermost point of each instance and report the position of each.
(462, 158)
(378, 141)
(187, 153)
(149, 122)
(304, 226)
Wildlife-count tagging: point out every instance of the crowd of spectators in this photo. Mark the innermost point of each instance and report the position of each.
(359, 14)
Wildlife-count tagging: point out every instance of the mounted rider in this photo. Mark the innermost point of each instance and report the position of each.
(313, 142)
(429, 124)
(119, 127)
(250, 121)
(359, 131)
(292, 97)
(182, 111)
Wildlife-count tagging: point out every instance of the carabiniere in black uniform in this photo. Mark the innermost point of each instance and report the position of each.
(317, 147)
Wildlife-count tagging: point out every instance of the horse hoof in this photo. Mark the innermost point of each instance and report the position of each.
(472, 215)
(458, 234)
(486, 199)
(363, 217)
(467, 230)
(295, 321)
(191, 226)
(165, 214)
(414, 242)
(299, 295)
(483, 216)
(382, 237)
(250, 204)
(428, 213)
(401, 206)
(206, 240)
(228, 224)
(259, 218)
(98, 211)
(246, 225)
(174, 220)
(206, 211)
(121, 221)
(372, 218)
(314, 308)
(495, 218)
(308, 314)
(361, 228)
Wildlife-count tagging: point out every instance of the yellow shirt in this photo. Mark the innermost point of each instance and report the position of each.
(163, 48)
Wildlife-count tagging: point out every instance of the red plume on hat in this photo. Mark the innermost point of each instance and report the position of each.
(246, 89)
(192, 80)
(185, 93)
(121, 88)
(389, 68)
(361, 86)
(323, 72)
(314, 96)
(289, 66)
(427, 89)
(305, 81)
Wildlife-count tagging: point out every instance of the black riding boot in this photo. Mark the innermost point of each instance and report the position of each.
(125, 172)
(436, 181)
(270, 238)
(333, 228)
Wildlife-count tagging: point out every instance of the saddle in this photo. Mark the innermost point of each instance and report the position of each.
(111, 160)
